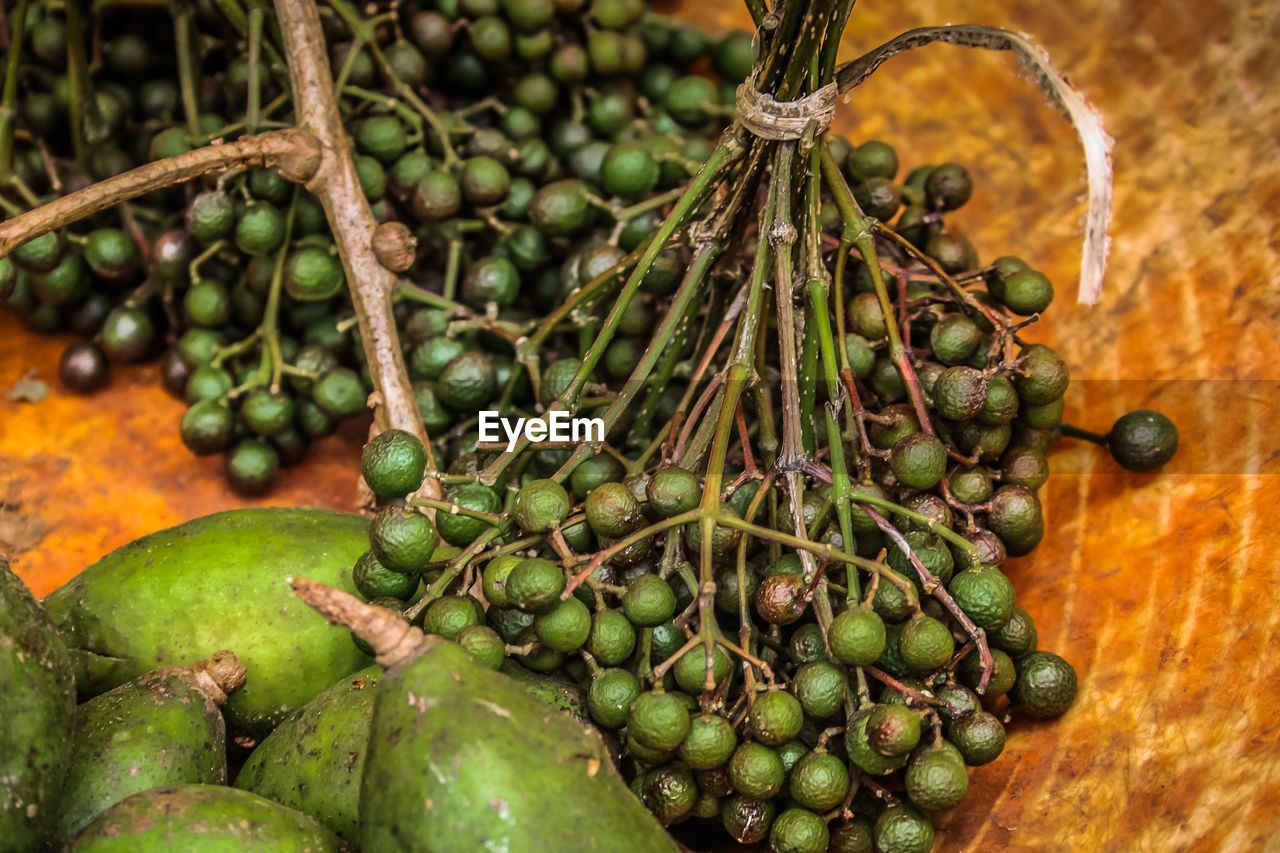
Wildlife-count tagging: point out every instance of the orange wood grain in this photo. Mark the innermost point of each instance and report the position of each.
(1161, 589)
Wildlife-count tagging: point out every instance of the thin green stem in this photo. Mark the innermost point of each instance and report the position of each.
(824, 550)
(452, 266)
(184, 40)
(1071, 431)
(253, 113)
(80, 104)
(490, 518)
(9, 100)
(270, 369)
(408, 115)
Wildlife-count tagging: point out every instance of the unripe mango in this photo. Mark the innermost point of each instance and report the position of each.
(37, 701)
(313, 760)
(203, 819)
(178, 595)
(462, 758)
(164, 728)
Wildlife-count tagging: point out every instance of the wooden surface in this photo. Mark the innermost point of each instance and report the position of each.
(1162, 590)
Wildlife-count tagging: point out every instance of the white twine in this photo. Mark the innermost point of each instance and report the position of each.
(780, 120)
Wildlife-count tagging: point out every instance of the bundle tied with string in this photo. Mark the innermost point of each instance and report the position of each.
(776, 120)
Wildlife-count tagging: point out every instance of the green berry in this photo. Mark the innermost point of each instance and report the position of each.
(611, 694)
(1017, 518)
(1027, 292)
(446, 616)
(649, 601)
(534, 585)
(918, 460)
(403, 539)
(467, 382)
(658, 720)
(893, 730)
(948, 186)
(819, 782)
(960, 392)
(496, 573)
(1143, 440)
(629, 171)
(207, 427)
(690, 670)
(111, 253)
(382, 137)
(339, 393)
(260, 229)
(776, 717)
(1045, 686)
(935, 781)
(926, 644)
(251, 466)
(798, 831)
(394, 464)
(313, 273)
(872, 159)
(612, 638)
(461, 530)
(857, 636)
(483, 644)
(710, 742)
(1017, 636)
(268, 413)
(540, 506)
(979, 736)
(485, 181)
(374, 580)
(756, 771)
(565, 626)
(820, 688)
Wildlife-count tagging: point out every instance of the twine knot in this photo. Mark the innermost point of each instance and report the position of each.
(768, 118)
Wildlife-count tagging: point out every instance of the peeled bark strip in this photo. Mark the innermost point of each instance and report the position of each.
(293, 153)
(1086, 120)
(336, 185)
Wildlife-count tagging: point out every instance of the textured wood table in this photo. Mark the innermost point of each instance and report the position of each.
(1161, 589)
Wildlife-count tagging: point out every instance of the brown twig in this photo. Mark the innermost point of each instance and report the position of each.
(336, 185)
(293, 153)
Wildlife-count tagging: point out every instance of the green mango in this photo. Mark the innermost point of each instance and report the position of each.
(37, 703)
(216, 582)
(462, 758)
(313, 760)
(203, 819)
(164, 728)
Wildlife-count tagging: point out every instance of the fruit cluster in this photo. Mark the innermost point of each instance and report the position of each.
(779, 581)
(554, 136)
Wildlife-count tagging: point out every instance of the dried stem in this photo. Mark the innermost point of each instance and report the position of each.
(393, 639)
(336, 185)
(295, 154)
